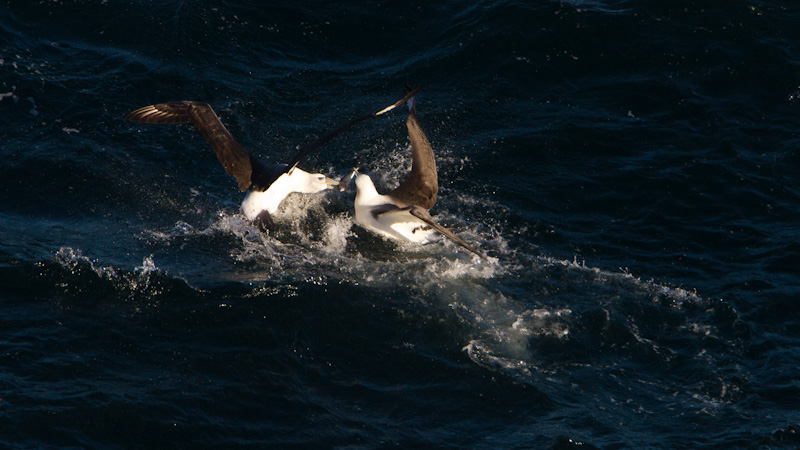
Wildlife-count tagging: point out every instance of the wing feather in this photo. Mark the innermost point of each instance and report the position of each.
(424, 216)
(303, 152)
(234, 158)
(421, 186)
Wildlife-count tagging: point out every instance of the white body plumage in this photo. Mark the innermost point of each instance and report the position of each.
(397, 224)
(296, 180)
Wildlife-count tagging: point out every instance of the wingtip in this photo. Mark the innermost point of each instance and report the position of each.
(473, 250)
(137, 114)
(468, 247)
(170, 112)
(411, 94)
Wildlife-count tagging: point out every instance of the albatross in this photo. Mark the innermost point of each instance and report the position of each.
(402, 214)
(266, 185)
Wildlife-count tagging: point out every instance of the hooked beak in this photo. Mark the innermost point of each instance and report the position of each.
(333, 184)
(342, 184)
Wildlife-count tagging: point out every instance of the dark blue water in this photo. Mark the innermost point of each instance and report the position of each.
(630, 168)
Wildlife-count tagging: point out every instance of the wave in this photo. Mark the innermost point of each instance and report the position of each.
(533, 318)
(523, 313)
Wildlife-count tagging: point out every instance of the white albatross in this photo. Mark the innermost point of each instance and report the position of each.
(402, 214)
(266, 185)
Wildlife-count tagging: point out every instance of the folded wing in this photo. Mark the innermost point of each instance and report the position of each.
(396, 215)
(426, 217)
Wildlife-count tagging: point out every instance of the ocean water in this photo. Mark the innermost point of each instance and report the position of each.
(629, 167)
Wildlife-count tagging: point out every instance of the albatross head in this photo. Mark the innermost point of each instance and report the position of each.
(345, 181)
(309, 183)
(365, 188)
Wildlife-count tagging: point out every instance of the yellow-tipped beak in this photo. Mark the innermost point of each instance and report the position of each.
(345, 181)
(333, 184)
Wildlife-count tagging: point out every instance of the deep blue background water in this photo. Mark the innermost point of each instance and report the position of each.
(629, 166)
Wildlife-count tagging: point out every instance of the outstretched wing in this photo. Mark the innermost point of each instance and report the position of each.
(303, 152)
(422, 184)
(234, 158)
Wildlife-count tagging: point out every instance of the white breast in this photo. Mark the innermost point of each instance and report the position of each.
(257, 201)
(295, 181)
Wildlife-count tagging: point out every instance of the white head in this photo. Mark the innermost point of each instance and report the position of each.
(309, 183)
(366, 194)
(364, 184)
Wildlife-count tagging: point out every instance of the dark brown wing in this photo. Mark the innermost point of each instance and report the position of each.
(303, 152)
(422, 184)
(233, 157)
(426, 217)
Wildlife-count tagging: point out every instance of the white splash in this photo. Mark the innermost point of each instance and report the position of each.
(148, 266)
(73, 260)
(315, 240)
(336, 232)
(138, 282)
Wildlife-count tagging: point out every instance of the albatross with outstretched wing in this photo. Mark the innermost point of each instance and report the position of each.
(266, 185)
(402, 214)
